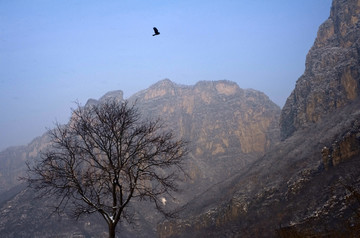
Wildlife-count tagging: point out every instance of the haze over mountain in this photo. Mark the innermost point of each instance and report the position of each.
(228, 128)
(55, 53)
(254, 170)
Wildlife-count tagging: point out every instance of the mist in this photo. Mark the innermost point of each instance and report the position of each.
(56, 53)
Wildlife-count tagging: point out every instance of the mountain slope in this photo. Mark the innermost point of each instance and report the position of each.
(287, 187)
(301, 184)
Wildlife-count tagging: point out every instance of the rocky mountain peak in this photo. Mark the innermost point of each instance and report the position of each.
(340, 29)
(163, 84)
(332, 73)
(162, 88)
(221, 86)
(117, 95)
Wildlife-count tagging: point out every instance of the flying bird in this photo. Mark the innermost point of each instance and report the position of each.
(156, 32)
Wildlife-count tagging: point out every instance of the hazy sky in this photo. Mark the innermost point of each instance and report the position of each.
(55, 52)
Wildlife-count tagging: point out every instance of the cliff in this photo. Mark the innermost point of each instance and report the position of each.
(332, 73)
(12, 161)
(227, 126)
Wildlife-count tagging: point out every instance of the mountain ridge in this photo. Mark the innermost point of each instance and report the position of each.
(228, 128)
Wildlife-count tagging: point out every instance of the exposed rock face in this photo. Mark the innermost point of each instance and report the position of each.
(12, 161)
(346, 147)
(227, 128)
(332, 74)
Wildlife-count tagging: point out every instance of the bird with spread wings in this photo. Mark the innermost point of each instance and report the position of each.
(156, 32)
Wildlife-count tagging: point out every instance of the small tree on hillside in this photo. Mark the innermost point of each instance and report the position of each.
(105, 157)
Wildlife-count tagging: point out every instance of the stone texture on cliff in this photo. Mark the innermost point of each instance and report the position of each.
(227, 126)
(332, 73)
(343, 148)
(244, 118)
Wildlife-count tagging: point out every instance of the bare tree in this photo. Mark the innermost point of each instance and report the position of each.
(105, 157)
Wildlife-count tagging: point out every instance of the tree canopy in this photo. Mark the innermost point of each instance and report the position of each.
(105, 157)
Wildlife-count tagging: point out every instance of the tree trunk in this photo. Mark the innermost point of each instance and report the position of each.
(112, 230)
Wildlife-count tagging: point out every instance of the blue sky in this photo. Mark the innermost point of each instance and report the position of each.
(55, 52)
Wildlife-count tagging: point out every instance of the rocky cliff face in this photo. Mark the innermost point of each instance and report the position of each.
(232, 117)
(332, 74)
(344, 148)
(227, 127)
(12, 161)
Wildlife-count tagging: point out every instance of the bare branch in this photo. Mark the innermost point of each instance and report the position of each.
(104, 158)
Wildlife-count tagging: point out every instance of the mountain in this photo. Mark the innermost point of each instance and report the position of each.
(332, 72)
(228, 128)
(12, 161)
(308, 184)
(254, 170)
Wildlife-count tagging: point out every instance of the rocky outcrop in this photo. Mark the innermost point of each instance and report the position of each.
(231, 116)
(332, 74)
(344, 148)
